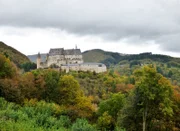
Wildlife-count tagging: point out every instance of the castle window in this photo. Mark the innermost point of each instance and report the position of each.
(99, 65)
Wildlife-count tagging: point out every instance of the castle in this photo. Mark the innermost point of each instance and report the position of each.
(71, 59)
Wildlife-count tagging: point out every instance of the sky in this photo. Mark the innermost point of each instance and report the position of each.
(124, 26)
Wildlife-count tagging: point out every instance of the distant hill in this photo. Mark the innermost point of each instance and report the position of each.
(34, 57)
(113, 58)
(17, 57)
(105, 57)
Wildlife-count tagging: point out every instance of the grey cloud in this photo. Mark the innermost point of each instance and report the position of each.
(136, 20)
(170, 42)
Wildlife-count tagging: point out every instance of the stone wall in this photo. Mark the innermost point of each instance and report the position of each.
(64, 59)
(96, 67)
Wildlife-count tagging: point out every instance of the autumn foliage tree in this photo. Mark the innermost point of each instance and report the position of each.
(7, 69)
(70, 94)
(68, 90)
(152, 100)
(110, 107)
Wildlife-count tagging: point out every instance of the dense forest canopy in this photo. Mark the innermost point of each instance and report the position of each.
(138, 92)
(136, 97)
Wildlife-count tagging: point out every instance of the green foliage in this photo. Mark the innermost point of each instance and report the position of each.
(92, 84)
(32, 116)
(7, 69)
(110, 108)
(152, 86)
(144, 96)
(135, 62)
(64, 121)
(82, 125)
(105, 122)
(151, 101)
(112, 105)
(28, 66)
(68, 91)
(18, 126)
(51, 78)
(38, 116)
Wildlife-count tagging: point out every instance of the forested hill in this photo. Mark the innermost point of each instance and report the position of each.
(15, 56)
(113, 58)
(105, 57)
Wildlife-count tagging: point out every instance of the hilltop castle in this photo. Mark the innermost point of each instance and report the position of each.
(71, 59)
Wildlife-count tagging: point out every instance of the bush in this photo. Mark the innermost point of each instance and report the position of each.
(82, 125)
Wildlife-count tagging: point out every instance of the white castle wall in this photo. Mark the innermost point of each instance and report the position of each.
(56, 59)
(64, 59)
(96, 67)
(73, 59)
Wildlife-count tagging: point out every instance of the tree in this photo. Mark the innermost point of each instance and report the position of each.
(112, 105)
(51, 78)
(149, 104)
(153, 95)
(105, 122)
(68, 91)
(69, 94)
(82, 125)
(28, 66)
(27, 86)
(7, 69)
(10, 91)
(39, 83)
(176, 99)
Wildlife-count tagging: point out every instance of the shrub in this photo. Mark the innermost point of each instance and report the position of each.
(82, 125)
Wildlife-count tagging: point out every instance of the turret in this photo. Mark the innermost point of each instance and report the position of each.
(38, 61)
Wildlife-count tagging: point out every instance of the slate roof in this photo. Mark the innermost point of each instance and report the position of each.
(57, 51)
(61, 51)
(72, 52)
(39, 55)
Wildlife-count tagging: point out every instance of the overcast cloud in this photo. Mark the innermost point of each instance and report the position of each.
(135, 22)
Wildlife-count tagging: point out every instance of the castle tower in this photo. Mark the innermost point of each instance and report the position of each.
(38, 61)
(76, 47)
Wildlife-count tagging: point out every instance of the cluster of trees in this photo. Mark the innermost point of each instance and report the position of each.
(112, 58)
(169, 68)
(28, 66)
(38, 116)
(48, 85)
(86, 101)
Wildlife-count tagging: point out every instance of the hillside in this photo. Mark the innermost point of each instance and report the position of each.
(105, 57)
(17, 57)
